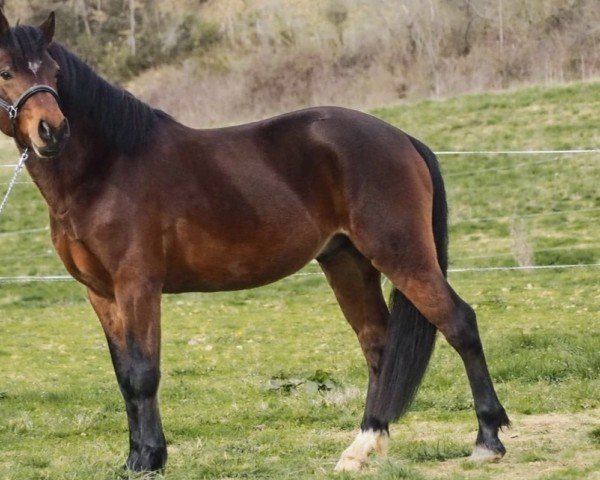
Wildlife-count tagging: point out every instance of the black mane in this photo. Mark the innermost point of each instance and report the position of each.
(125, 122)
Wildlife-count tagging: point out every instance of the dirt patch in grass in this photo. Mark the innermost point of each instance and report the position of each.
(548, 446)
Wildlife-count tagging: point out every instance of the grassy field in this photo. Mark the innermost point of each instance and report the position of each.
(269, 383)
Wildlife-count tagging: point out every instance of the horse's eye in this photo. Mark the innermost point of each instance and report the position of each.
(6, 75)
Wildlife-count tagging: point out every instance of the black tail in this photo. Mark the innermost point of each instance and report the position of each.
(411, 337)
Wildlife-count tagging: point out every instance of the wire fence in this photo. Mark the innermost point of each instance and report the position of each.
(460, 220)
(518, 152)
(24, 231)
(68, 278)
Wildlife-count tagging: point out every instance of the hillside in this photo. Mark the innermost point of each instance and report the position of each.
(220, 61)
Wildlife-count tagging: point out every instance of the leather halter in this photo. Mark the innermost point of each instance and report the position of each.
(13, 109)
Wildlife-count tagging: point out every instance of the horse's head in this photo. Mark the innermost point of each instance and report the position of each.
(25, 64)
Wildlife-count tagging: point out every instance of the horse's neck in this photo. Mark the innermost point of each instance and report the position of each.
(61, 179)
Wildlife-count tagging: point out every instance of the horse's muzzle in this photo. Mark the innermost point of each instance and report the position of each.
(54, 138)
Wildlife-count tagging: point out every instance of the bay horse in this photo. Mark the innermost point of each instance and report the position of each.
(141, 205)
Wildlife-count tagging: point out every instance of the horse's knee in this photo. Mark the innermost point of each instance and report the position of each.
(139, 377)
(138, 373)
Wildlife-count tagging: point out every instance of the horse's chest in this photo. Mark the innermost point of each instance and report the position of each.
(81, 263)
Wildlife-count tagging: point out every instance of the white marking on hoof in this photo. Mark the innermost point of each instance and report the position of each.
(383, 444)
(482, 454)
(346, 464)
(357, 454)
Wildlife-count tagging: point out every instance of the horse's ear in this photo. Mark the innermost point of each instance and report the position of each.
(4, 26)
(47, 28)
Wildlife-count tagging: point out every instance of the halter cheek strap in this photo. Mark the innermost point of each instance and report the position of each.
(13, 109)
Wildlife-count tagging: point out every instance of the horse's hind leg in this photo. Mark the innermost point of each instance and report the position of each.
(424, 285)
(357, 287)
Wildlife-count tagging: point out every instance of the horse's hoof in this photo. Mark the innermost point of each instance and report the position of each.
(356, 455)
(150, 459)
(482, 454)
(132, 461)
(350, 464)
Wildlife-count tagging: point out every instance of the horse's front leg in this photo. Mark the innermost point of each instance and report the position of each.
(131, 322)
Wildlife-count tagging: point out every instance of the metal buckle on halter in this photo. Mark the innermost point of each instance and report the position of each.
(13, 110)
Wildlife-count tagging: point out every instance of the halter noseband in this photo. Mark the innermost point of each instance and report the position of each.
(13, 109)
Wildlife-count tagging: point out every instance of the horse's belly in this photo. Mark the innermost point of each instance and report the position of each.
(216, 263)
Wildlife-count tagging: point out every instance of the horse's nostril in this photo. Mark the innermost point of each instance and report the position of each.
(45, 131)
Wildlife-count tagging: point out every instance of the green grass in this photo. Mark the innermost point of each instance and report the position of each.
(269, 383)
